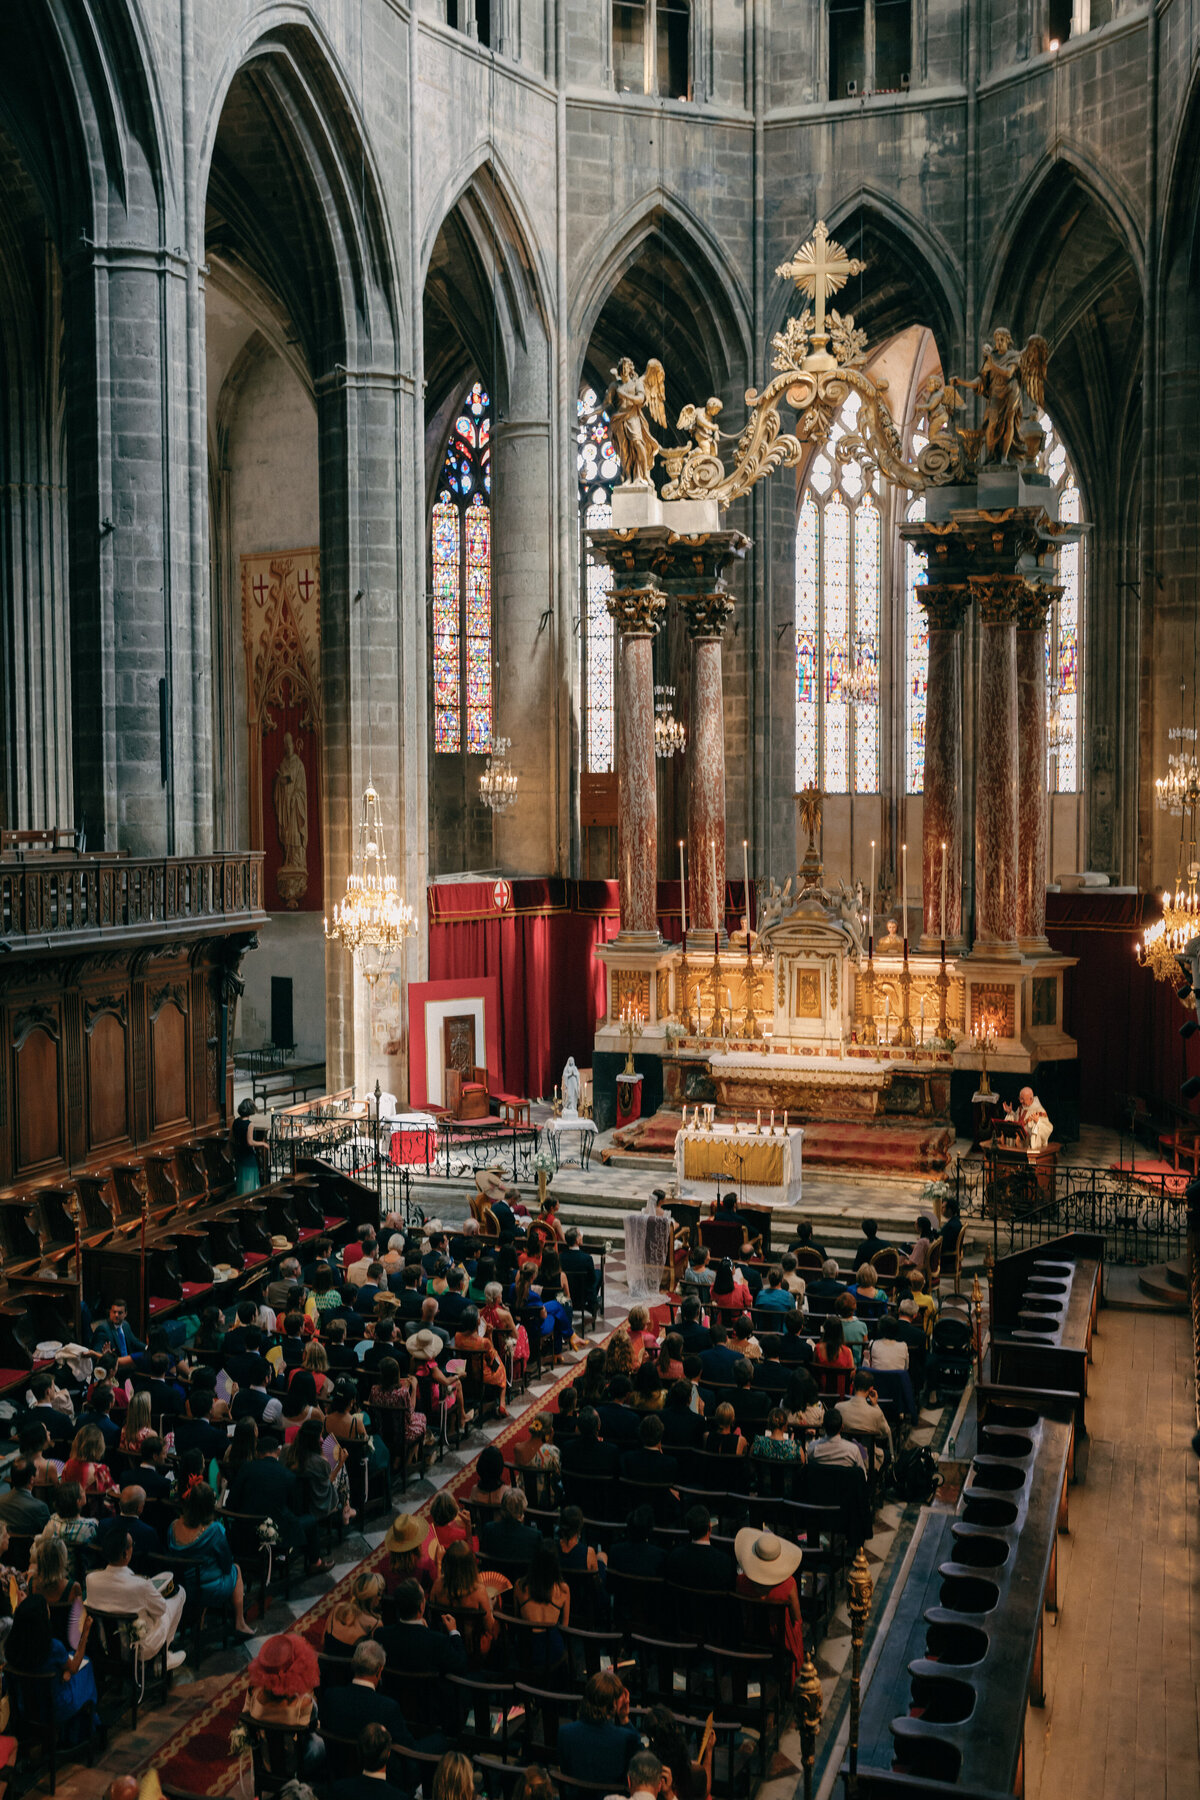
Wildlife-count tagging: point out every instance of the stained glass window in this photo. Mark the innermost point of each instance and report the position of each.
(598, 468)
(916, 638)
(1064, 630)
(462, 586)
(838, 597)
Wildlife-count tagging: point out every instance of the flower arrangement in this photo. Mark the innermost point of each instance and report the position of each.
(239, 1741)
(268, 1533)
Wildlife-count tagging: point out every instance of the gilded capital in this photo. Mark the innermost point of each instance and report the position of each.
(998, 597)
(707, 613)
(1035, 605)
(637, 611)
(945, 603)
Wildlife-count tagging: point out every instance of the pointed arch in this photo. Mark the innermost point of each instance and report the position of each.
(1042, 188)
(711, 335)
(485, 171)
(330, 250)
(913, 277)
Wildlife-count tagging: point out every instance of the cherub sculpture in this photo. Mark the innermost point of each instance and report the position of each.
(701, 423)
(773, 904)
(1009, 380)
(628, 400)
(850, 915)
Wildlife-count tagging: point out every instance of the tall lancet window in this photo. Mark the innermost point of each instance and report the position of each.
(1064, 630)
(916, 641)
(598, 469)
(838, 584)
(462, 586)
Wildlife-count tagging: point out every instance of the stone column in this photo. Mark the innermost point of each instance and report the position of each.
(998, 598)
(945, 608)
(1031, 772)
(637, 609)
(707, 614)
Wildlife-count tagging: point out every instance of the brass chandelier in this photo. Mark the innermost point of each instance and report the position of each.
(372, 920)
(499, 780)
(669, 734)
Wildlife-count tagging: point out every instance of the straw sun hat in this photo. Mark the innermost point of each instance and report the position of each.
(764, 1558)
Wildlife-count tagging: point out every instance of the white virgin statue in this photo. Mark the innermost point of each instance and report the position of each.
(570, 1090)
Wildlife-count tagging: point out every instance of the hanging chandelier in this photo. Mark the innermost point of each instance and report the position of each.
(669, 735)
(1167, 938)
(1180, 786)
(373, 920)
(857, 686)
(498, 783)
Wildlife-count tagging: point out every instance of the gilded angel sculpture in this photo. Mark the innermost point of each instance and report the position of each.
(628, 400)
(1007, 379)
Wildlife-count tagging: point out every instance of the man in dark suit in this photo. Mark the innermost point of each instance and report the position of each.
(411, 1645)
(717, 1364)
(696, 1564)
(143, 1537)
(114, 1333)
(97, 1413)
(265, 1487)
(806, 1241)
(240, 1364)
(254, 1402)
(618, 1421)
(383, 1345)
(195, 1431)
(650, 1462)
(374, 1750)
(864, 1252)
(508, 1537)
(795, 1350)
(695, 1334)
(376, 1283)
(683, 1429)
(151, 1472)
(437, 1254)
(636, 1553)
(770, 1375)
(59, 1424)
(410, 1293)
(346, 1710)
(588, 1454)
(750, 1407)
(166, 1396)
(576, 1261)
(453, 1303)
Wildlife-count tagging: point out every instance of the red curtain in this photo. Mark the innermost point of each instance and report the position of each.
(537, 938)
(1125, 1022)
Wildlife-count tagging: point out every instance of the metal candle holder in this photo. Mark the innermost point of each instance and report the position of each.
(860, 1589)
(904, 1036)
(870, 1029)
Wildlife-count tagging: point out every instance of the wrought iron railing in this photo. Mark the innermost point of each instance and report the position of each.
(61, 895)
(1143, 1219)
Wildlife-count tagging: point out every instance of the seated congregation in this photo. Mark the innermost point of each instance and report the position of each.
(656, 1541)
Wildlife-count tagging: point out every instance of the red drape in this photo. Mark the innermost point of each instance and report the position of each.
(1125, 1022)
(537, 938)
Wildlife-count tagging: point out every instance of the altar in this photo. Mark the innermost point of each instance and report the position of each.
(765, 1162)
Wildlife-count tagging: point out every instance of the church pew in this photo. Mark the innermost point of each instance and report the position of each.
(1044, 1306)
(963, 1652)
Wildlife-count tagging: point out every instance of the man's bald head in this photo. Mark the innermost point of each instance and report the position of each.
(1026, 1096)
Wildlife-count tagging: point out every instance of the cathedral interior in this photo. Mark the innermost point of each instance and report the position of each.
(600, 625)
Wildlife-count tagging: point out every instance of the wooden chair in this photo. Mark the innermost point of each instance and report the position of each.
(277, 1752)
(466, 1093)
(34, 1726)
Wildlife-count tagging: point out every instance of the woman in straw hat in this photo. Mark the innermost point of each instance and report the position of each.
(413, 1550)
(424, 1347)
(767, 1567)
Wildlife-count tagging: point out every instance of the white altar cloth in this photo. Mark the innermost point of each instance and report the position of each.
(736, 1152)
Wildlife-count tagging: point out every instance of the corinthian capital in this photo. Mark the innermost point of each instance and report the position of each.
(707, 613)
(945, 604)
(1034, 606)
(999, 597)
(637, 611)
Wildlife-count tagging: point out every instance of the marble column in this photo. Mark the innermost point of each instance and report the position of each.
(637, 610)
(1031, 771)
(998, 598)
(707, 614)
(945, 607)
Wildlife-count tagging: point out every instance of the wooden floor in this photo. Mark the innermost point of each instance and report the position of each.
(1122, 1713)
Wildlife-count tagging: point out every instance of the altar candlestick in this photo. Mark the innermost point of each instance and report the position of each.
(712, 850)
(758, 1120)
(921, 1007)
(871, 904)
(746, 883)
(943, 930)
(904, 892)
(785, 1121)
(772, 1121)
(682, 889)
(728, 1000)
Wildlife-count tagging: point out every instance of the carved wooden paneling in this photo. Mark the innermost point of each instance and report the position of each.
(37, 1095)
(107, 1080)
(168, 1062)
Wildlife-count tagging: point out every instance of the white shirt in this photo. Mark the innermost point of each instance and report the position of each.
(120, 1590)
(886, 1353)
(1036, 1122)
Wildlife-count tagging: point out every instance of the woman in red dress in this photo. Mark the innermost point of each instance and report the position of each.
(767, 1568)
(833, 1361)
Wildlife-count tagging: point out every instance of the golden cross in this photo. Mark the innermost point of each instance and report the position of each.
(820, 269)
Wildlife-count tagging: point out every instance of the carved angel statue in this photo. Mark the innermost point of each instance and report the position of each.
(937, 403)
(1008, 380)
(850, 917)
(701, 423)
(628, 400)
(773, 904)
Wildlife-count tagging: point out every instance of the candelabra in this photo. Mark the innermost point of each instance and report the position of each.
(807, 1701)
(860, 1589)
(943, 987)
(715, 1027)
(682, 1006)
(904, 1036)
(870, 1029)
(632, 1020)
(750, 1028)
(986, 1037)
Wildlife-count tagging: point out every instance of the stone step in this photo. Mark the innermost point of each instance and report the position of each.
(1160, 1284)
(1177, 1272)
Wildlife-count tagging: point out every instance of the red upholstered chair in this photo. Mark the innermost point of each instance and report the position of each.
(467, 1094)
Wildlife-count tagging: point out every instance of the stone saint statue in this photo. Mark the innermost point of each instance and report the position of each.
(1007, 378)
(289, 793)
(570, 1090)
(1032, 1118)
(628, 400)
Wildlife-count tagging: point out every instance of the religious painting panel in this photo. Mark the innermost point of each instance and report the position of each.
(281, 629)
(432, 1006)
(458, 1043)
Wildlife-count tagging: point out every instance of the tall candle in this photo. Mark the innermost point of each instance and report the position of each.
(871, 901)
(943, 930)
(904, 892)
(712, 848)
(746, 880)
(758, 1120)
(683, 888)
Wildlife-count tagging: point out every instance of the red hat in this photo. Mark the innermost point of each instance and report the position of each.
(286, 1666)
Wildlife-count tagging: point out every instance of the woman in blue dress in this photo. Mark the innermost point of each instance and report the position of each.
(198, 1534)
(246, 1134)
(33, 1649)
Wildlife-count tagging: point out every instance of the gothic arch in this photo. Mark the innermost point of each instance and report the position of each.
(326, 248)
(485, 172)
(709, 342)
